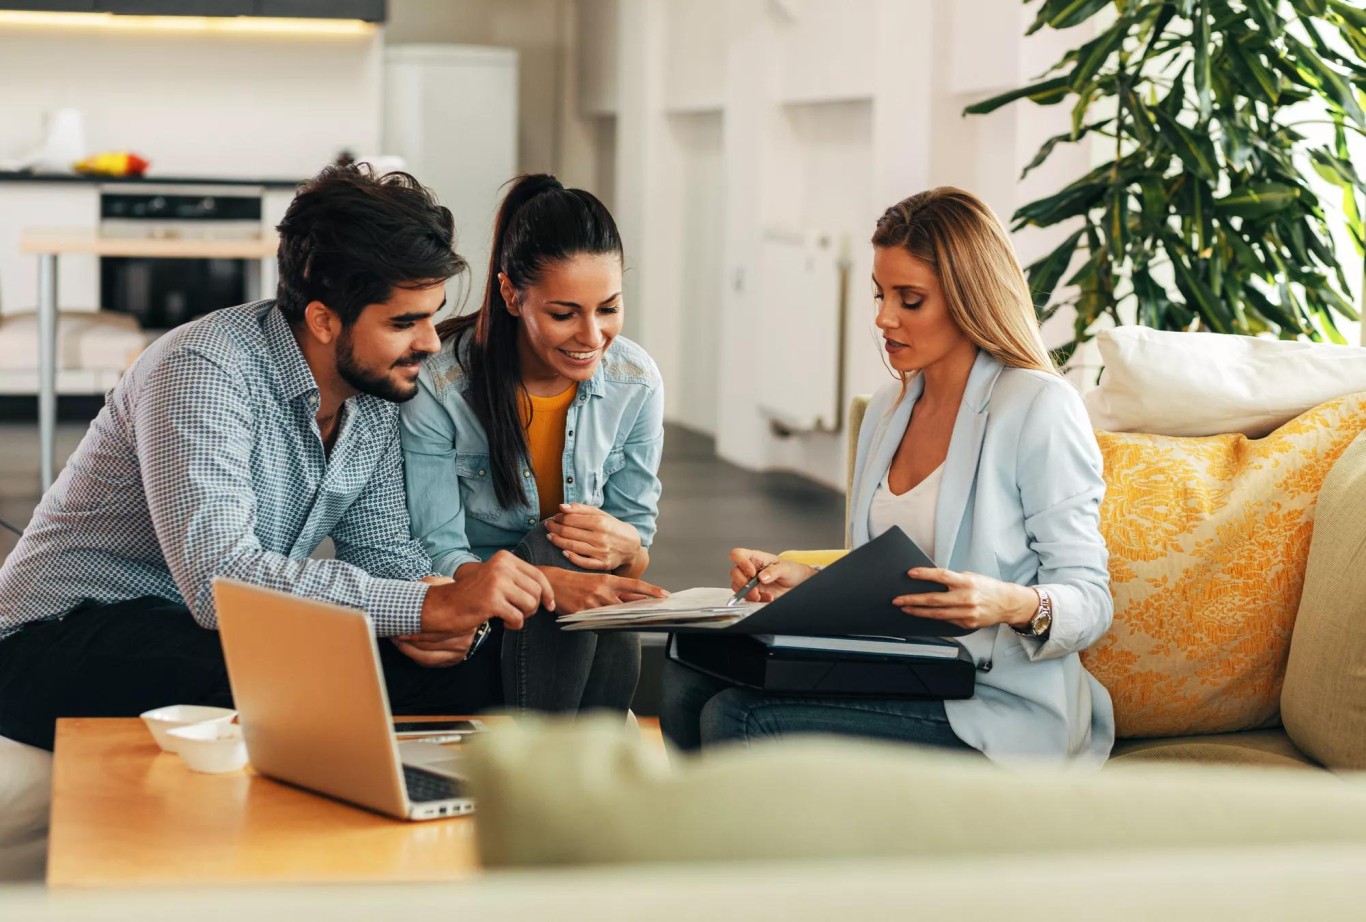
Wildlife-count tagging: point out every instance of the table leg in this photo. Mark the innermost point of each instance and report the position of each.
(47, 366)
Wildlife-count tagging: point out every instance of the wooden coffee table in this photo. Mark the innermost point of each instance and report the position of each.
(125, 814)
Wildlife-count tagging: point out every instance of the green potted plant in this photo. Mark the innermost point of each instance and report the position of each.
(1202, 218)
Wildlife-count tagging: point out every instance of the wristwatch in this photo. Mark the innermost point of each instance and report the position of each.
(1042, 621)
(481, 633)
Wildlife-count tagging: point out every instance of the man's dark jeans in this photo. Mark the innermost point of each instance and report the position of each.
(121, 659)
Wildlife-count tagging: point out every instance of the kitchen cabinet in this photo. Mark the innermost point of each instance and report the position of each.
(54, 6)
(24, 205)
(176, 7)
(369, 10)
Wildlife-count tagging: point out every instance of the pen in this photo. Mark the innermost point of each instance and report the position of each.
(747, 588)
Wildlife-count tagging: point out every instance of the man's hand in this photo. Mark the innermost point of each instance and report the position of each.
(591, 538)
(575, 591)
(502, 587)
(435, 650)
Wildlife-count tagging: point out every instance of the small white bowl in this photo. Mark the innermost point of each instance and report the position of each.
(211, 747)
(162, 720)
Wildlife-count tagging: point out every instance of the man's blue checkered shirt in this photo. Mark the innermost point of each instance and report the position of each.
(206, 461)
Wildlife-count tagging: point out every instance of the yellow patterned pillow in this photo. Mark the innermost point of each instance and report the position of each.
(1208, 539)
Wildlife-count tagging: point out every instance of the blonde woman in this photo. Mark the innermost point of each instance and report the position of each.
(983, 454)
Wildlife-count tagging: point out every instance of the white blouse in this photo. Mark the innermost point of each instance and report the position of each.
(912, 510)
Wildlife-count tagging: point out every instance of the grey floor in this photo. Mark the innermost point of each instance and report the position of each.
(708, 507)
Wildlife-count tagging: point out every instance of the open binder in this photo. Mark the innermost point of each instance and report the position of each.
(852, 596)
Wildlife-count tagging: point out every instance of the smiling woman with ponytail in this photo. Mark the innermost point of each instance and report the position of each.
(538, 428)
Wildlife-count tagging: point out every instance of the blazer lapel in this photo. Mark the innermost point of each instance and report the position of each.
(891, 428)
(965, 450)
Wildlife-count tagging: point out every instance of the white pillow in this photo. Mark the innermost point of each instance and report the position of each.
(1196, 384)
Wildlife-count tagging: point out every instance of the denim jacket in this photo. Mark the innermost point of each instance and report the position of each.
(614, 436)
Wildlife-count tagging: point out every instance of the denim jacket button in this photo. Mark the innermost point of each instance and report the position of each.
(526, 473)
(531, 520)
(481, 472)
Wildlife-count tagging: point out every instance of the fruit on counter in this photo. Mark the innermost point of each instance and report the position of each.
(112, 163)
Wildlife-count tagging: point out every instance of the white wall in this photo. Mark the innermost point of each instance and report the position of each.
(730, 118)
(198, 104)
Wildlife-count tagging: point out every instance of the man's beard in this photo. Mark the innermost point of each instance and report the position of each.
(377, 384)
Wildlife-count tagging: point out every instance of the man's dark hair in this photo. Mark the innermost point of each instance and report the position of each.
(350, 237)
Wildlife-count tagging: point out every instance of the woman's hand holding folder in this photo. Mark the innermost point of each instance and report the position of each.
(776, 575)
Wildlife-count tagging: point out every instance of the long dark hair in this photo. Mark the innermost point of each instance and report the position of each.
(539, 223)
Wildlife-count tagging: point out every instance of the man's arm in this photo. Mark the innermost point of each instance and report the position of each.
(195, 424)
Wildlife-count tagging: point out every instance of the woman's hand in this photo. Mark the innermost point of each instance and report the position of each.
(591, 538)
(973, 600)
(575, 590)
(776, 575)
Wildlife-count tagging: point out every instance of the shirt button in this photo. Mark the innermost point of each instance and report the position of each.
(570, 433)
(526, 473)
(569, 480)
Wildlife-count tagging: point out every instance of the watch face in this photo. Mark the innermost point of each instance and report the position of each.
(1042, 623)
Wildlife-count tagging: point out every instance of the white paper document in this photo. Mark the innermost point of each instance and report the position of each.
(700, 607)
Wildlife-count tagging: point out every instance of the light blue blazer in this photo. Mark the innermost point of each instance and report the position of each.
(1019, 501)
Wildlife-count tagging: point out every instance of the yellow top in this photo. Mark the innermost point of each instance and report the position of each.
(545, 444)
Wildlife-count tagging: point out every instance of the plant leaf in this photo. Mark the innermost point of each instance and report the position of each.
(1093, 55)
(1063, 14)
(1045, 93)
(1069, 203)
(1201, 42)
(1258, 200)
(1045, 274)
(1196, 153)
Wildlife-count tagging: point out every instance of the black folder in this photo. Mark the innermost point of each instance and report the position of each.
(851, 596)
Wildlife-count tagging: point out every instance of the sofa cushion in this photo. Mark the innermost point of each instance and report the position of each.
(1195, 384)
(1323, 703)
(25, 793)
(591, 792)
(1253, 748)
(1208, 539)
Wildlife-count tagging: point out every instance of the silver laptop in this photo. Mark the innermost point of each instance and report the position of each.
(309, 692)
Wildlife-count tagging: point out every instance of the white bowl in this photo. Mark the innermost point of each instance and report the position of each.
(211, 747)
(162, 720)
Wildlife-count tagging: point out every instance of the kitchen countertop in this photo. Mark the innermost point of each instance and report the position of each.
(25, 176)
(54, 240)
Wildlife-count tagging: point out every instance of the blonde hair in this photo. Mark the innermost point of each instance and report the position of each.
(961, 239)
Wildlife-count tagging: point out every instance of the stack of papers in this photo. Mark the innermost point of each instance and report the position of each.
(703, 607)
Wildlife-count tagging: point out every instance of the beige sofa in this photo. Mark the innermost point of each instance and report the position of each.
(1323, 700)
(1323, 696)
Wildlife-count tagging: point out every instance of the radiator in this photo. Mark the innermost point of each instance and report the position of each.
(803, 288)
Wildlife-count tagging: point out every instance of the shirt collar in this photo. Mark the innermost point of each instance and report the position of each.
(596, 386)
(291, 369)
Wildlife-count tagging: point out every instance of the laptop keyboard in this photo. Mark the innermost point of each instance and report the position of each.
(426, 786)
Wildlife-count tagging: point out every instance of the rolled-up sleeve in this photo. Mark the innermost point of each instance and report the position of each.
(195, 426)
(434, 504)
(1061, 486)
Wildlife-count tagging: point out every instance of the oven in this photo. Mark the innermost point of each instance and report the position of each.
(164, 293)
